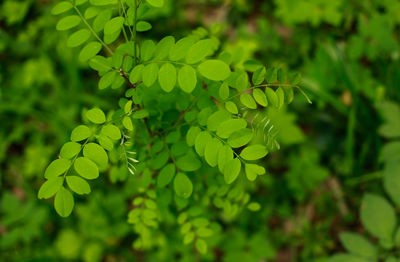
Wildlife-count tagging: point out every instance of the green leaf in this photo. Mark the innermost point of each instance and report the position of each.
(358, 245)
(86, 168)
(281, 96)
(183, 186)
(61, 8)
(100, 64)
(147, 50)
(254, 152)
(289, 94)
(347, 258)
(70, 149)
(50, 187)
(143, 26)
(78, 185)
(253, 170)
(211, 151)
(248, 101)
(254, 206)
(103, 2)
(64, 202)
(224, 91)
(167, 77)
(201, 246)
(226, 128)
(68, 22)
(272, 97)
(127, 123)
(107, 79)
(89, 51)
(140, 114)
(101, 19)
(189, 162)
(187, 78)
(114, 25)
(242, 81)
(199, 50)
(204, 232)
(111, 131)
(57, 167)
(201, 141)
(378, 216)
(96, 153)
(96, 115)
(188, 238)
(150, 73)
(192, 134)
(232, 170)
(105, 142)
(225, 154)
(136, 74)
(180, 49)
(391, 181)
(78, 38)
(156, 3)
(217, 118)
(215, 70)
(260, 97)
(80, 133)
(258, 76)
(91, 12)
(163, 47)
(166, 175)
(240, 137)
(231, 107)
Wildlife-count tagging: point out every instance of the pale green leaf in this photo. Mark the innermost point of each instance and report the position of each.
(78, 185)
(96, 153)
(114, 25)
(215, 70)
(358, 245)
(61, 8)
(78, 38)
(50, 187)
(68, 22)
(187, 78)
(231, 170)
(57, 167)
(86, 168)
(211, 151)
(199, 50)
(240, 137)
(96, 115)
(183, 186)
(70, 149)
(89, 51)
(64, 202)
(378, 217)
(150, 73)
(180, 49)
(254, 152)
(226, 128)
(167, 77)
(166, 175)
(111, 131)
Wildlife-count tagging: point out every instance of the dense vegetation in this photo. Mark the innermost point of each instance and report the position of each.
(159, 130)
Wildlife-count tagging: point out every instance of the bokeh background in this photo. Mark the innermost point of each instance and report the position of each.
(348, 54)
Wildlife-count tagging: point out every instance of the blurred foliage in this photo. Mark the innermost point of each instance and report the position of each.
(336, 150)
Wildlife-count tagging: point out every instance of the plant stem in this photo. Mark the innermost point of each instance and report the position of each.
(92, 31)
(135, 33)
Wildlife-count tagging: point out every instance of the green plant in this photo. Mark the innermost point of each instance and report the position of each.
(378, 215)
(187, 116)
